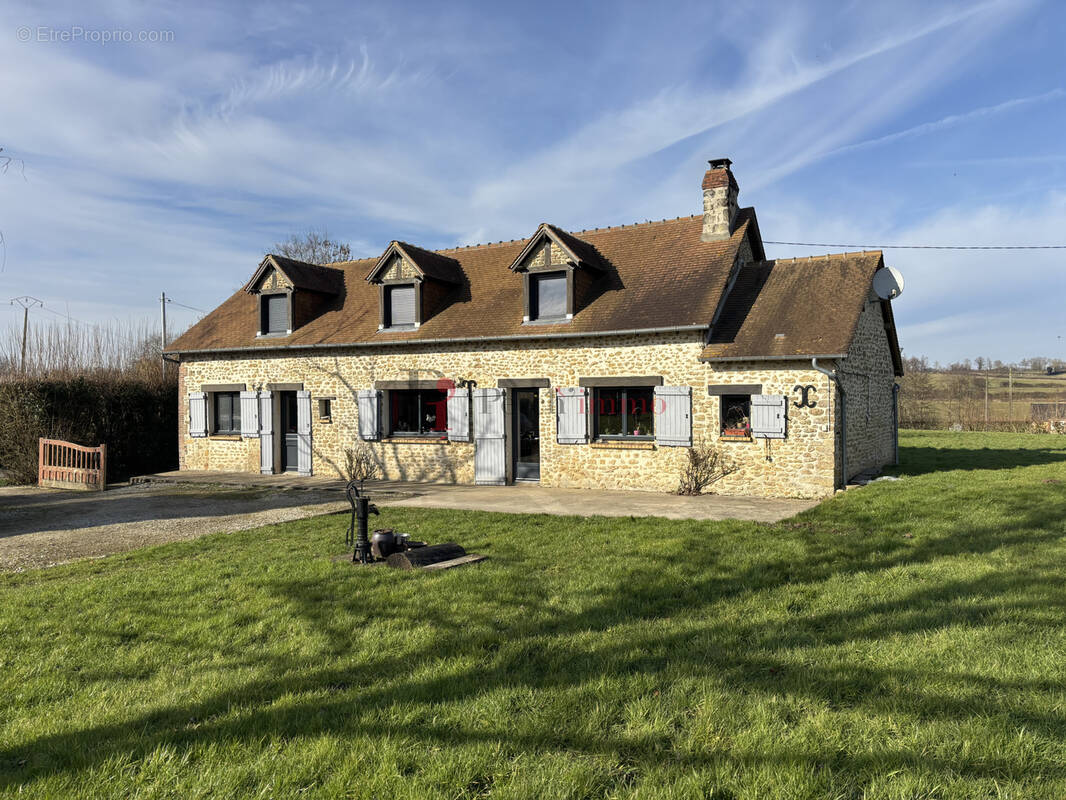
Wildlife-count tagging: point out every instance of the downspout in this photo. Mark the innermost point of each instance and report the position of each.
(895, 423)
(832, 374)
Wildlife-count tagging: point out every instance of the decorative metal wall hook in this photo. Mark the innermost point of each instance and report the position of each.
(805, 400)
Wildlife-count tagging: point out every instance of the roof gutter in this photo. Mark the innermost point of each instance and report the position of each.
(832, 373)
(796, 357)
(523, 337)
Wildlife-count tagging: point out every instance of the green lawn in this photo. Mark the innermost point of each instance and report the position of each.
(906, 640)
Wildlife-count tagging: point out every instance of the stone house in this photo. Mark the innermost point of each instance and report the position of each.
(591, 359)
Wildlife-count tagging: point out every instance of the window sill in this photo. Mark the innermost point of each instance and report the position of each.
(622, 444)
(548, 321)
(415, 440)
(735, 439)
(225, 437)
(278, 335)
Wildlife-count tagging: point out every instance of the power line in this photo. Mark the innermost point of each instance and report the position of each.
(182, 305)
(927, 246)
(60, 314)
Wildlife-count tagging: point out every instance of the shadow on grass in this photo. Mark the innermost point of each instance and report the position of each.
(924, 460)
(657, 615)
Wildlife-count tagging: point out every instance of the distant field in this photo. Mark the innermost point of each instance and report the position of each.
(1029, 387)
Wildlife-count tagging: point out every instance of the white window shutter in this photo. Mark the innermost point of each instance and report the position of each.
(673, 416)
(571, 415)
(459, 415)
(303, 432)
(768, 416)
(266, 433)
(197, 414)
(249, 414)
(369, 414)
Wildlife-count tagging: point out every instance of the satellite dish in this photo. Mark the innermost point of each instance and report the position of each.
(888, 283)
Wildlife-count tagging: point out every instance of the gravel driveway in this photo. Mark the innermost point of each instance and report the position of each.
(45, 527)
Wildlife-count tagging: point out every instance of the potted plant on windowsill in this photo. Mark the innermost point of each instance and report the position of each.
(737, 433)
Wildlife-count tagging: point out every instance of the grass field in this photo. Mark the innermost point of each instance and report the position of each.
(1029, 387)
(905, 640)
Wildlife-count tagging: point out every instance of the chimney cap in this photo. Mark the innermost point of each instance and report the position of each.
(720, 163)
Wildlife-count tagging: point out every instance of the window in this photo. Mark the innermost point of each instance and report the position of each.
(227, 413)
(736, 415)
(399, 306)
(325, 409)
(547, 296)
(418, 412)
(625, 413)
(275, 311)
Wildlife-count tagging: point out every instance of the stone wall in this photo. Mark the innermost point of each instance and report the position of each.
(802, 465)
(868, 377)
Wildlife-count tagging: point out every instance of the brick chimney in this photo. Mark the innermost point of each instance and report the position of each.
(719, 201)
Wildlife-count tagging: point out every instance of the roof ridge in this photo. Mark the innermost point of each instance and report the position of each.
(571, 232)
(845, 254)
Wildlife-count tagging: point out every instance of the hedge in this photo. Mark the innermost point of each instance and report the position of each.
(137, 420)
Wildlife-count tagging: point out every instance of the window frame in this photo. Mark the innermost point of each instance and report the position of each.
(264, 314)
(535, 279)
(325, 409)
(723, 401)
(626, 437)
(234, 414)
(387, 322)
(442, 414)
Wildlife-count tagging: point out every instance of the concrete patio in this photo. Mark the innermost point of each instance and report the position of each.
(517, 499)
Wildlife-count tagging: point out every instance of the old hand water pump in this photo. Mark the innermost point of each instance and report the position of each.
(362, 508)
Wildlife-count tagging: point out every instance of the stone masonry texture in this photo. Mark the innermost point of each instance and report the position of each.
(804, 464)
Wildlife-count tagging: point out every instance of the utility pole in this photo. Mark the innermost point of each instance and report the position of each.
(163, 331)
(986, 401)
(27, 303)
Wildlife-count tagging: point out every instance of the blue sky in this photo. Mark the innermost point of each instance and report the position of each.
(176, 164)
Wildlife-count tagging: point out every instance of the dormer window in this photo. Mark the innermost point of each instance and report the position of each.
(559, 274)
(274, 312)
(414, 284)
(547, 296)
(291, 293)
(400, 301)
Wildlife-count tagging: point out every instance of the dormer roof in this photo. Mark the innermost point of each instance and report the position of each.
(298, 275)
(576, 251)
(426, 263)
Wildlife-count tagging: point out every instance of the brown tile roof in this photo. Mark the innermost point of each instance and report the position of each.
(796, 307)
(657, 274)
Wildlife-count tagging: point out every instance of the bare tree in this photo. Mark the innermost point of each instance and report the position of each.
(314, 247)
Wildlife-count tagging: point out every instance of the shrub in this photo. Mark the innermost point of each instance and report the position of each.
(705, 465)
(136, 419)
(359, 464)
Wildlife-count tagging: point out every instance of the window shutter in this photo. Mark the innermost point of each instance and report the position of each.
(459, 415)
(277, 313)
(401, 310)
(571, 415)
(303, 432)
(369, 414)
(249, 414)
(197, 414)
(673, 421)
(266, 433)
(768, 414)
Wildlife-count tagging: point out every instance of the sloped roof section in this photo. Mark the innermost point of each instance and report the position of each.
(432, 265)
(655, 275)
(301, 275)
(801, 307)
